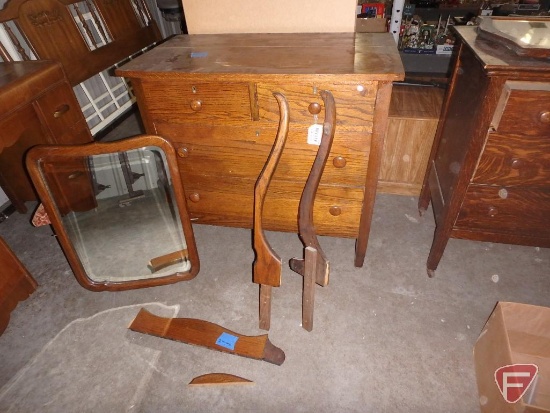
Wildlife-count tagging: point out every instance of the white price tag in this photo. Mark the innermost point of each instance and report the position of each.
(314, 134)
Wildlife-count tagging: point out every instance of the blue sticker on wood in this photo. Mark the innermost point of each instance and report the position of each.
(227, 341)
(199, 54)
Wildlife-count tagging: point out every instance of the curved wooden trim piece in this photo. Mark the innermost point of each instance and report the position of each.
(267, 266)
(206, 334)
(219, 379)
(305, 216)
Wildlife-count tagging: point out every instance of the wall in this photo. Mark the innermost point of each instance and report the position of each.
(269, 16)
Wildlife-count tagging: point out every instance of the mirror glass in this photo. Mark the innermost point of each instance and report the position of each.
(119, 213)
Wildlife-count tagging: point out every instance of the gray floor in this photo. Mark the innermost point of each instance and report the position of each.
(386, 338)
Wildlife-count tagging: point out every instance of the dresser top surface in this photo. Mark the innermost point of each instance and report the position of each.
(496, 57)
(12, 73)
(248, 56)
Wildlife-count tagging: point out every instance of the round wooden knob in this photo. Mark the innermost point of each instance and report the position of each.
(196, 105)
(545, 117)
(183, 152)
(516, 163)
(314, 108)
(339, 162)
(493, 211)
(335, 210)
(195, 197)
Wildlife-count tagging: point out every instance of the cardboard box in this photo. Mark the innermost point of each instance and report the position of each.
(514, 334)
(370, 25)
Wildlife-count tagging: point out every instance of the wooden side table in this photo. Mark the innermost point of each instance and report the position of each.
(37, 106)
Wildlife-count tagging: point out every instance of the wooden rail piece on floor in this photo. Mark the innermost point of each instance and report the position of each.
(220, 379)
(267, 266)
(206, 334)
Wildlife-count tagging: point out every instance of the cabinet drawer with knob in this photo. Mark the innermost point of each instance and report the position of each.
(506, 210)
(197, 102)
(354, 102)
(515, 160)
(523, 108)
(59, 109)
(242, 152)
(337, 210)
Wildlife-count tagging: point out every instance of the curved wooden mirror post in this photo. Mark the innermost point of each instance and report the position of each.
(118, 210)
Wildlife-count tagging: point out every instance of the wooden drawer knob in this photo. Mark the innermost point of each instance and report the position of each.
(339, 162)
(61, 110)
(493, 211)
(195, 197)
(545, 117)
(183, 152)
(314, 108)
(516, 163)
(335, 211)
(196, 105)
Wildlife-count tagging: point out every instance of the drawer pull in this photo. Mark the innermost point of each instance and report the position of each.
(339, 162)
(545, 117)
(493, 212)
(196, 105)
(195, 197)
(314, 108)
(335, 211)
(75, 175)
(516, 163)
(61, 110)
(183, 152)
(503, 193)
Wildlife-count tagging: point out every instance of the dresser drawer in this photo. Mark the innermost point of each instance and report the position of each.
(59, 109)
(506, 210)
(243, 152)
(229, 201)
(524, 108)
(354, 102)
(515, 160)
(188, 102)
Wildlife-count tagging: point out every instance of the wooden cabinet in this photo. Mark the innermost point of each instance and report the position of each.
(412, 123)
(212, 97)
(489, 171)
(37, 106)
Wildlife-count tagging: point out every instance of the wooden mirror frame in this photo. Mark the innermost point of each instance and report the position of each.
(58, 153)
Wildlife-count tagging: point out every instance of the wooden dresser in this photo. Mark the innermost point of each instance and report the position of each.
(489, 172)
(37, 106)
(211, 96)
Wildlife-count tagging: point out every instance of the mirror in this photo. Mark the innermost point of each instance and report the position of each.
(118, 210)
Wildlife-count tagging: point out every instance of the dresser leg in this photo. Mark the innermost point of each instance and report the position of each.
(424, 198)
(436, 251)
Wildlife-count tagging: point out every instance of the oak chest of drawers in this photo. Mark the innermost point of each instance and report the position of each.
(212, 97)
(37, 106)
(489, 173)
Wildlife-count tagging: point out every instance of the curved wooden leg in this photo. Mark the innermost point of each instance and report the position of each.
(267, 267)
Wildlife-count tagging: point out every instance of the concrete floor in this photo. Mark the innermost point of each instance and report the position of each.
(386, 338)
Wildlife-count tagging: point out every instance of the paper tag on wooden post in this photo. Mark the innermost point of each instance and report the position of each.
(314, 134)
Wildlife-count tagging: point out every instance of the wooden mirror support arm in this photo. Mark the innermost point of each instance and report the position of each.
(205, 334)
(306, 226)
(267, 266)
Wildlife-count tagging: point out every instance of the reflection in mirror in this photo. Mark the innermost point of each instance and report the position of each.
(119, 213)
